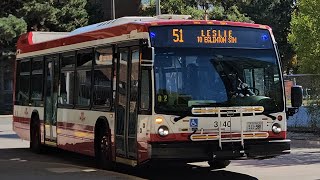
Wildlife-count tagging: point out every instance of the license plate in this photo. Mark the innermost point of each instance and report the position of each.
(254, 126)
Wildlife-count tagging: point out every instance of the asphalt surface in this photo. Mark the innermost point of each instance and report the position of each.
(18, 162)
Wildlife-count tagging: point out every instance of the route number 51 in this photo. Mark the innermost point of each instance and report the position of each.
(177, 35)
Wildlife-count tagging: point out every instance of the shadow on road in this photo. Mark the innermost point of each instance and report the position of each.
(53, 155)
(303, 157)
(184, 172)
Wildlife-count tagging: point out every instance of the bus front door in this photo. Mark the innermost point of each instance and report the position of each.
(50, 91)
(126, 104)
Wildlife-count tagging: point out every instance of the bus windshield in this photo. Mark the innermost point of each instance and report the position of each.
(190, 77)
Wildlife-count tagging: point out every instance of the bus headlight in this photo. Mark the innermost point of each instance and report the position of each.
(163, 131)
(276, 128)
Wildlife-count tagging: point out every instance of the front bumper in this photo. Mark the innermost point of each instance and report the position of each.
(207, 150)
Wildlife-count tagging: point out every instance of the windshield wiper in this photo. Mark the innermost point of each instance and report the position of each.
(269, 115)
(176, 119)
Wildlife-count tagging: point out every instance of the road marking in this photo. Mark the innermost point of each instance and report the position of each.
(64, 170)
(89, 170)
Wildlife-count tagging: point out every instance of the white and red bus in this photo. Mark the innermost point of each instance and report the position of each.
(136, 90)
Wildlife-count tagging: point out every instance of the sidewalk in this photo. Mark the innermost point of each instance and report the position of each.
(5, 117)
(304, 140)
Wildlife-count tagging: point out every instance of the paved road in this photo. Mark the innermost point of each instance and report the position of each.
(17, 162)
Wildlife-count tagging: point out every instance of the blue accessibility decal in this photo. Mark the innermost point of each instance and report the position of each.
(194, 123)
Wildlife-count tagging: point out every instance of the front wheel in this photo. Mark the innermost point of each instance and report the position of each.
(218, 164)
(103, 148)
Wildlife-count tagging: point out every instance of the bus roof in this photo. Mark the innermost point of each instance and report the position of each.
(125, 26)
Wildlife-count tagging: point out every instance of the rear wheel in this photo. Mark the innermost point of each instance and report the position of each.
(218, 164)
(35, 141)
(103, 148)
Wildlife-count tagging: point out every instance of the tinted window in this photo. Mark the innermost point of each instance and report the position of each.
(103, 56)
(24, 82)
(83, 87)
(66, 94)
(102, 87)
(84, 58)
(37, 78)
(68, 60)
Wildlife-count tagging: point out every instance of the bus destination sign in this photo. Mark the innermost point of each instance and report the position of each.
(210, 36)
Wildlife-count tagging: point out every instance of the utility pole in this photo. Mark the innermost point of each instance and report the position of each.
(158, 9)
(113, 10)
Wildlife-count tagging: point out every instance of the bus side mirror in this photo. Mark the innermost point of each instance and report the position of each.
(296, 100)
(296, 96)
(147, 53)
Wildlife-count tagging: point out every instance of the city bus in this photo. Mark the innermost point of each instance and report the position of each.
(145, 90)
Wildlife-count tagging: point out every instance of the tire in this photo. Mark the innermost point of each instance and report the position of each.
(218, 164)
(103, 153)
(35, 139)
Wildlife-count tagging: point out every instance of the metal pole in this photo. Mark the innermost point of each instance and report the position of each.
(158, 9)
(113, 9)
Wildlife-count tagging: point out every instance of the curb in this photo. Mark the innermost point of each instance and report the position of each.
(6, 117)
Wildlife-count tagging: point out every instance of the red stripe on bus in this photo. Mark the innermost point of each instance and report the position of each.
(25, 47)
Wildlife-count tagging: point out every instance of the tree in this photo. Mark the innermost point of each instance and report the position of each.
(72, 15)
(215, 9)
(188, 7)
(10, 26)
(51, 15)
(304, 35)
(95, 12)
(276, 14)
(17, 17)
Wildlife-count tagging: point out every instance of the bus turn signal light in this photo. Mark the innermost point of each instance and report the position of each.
(159, 120)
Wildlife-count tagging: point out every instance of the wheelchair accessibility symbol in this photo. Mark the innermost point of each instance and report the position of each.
(193, 123)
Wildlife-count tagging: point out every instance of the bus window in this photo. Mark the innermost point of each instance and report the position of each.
(37, 79)
(145, 90)
(83, 77)
(102, 80)
(66, 93)
(102, 92)
(24, 82)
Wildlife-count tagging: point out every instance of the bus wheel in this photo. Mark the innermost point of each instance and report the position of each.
(35, 141)
(103, 148)
(218, 164)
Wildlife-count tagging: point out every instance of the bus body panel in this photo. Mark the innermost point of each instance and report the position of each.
(22, 119)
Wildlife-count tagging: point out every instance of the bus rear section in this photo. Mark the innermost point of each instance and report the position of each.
(218, 94)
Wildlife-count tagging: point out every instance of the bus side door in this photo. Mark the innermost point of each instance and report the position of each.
(126, 102)
(50, 98)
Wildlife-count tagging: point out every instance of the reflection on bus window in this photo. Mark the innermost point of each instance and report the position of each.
(216, 77)
(83, 87)
(24, 83)
(66, 89)
(102, 87)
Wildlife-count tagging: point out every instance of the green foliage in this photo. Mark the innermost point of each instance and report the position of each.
(40, 15)
(188, 7)
(50, 15)
(218, 10)
(232, 13)
(72, 15)
(10, 28)
(95, 12)
(304, 35)
(276, 14)
(17, 17)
